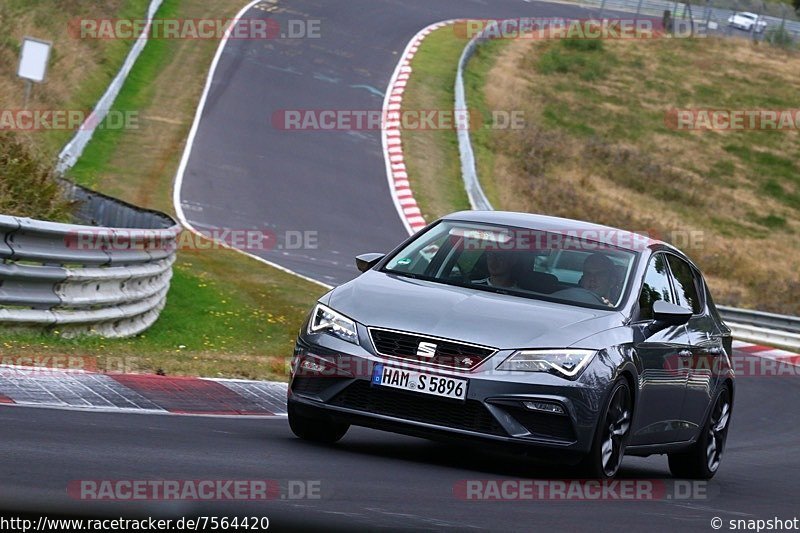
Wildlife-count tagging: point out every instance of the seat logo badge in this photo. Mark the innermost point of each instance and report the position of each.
(426, 349)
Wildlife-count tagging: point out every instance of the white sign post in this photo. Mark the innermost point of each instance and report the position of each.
(33, 63)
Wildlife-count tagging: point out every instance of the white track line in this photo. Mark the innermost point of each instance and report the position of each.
(178, 184)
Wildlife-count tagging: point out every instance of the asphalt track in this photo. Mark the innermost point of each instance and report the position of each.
(244, 173)
(379, 480)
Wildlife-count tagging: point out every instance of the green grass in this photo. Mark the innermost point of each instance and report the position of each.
(135, 96)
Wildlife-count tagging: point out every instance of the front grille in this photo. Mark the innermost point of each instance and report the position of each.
(545, 425)
(469, 415)
(451, 354)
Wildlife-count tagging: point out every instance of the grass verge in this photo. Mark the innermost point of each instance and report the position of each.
(431, 155)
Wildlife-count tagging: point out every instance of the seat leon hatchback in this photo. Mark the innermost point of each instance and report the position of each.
(569, 341)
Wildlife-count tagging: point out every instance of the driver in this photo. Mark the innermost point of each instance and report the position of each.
(502, 267)
(598, 277)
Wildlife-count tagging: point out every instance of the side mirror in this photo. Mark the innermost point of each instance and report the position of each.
(366, 261)
(665, 315)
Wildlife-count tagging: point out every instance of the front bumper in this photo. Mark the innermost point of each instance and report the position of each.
(333, 381)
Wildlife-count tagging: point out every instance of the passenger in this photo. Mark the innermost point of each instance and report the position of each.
(598, 277)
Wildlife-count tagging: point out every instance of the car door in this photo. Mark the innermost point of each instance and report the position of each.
(706, 340)
(661, 373)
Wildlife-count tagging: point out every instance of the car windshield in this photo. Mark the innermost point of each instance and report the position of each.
(565, 266)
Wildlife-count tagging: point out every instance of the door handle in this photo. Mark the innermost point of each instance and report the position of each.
(685, 353)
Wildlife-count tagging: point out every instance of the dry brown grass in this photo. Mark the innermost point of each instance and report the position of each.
(79, 69)
(599, 150)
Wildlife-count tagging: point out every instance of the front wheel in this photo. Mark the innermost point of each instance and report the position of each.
(702, 460)
(612, 434)
(315, 429)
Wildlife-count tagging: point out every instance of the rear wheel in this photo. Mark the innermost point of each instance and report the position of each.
(702, 460)
(315, 429)
(612, 434)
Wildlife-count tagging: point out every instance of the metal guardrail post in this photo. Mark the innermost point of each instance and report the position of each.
(109, 280)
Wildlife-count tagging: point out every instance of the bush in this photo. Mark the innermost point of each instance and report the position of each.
(779, 37)
(585, 57)
(27, 184)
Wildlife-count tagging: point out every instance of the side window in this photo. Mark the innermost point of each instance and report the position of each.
(655, 287)
(686, 284)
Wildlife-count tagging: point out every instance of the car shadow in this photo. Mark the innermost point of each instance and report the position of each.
(472, 458)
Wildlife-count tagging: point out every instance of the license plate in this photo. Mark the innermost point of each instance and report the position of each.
(423, 382)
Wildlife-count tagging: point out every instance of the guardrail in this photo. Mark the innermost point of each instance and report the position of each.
(477, 198)
(761, 327)
(746, 325)
(107, 276)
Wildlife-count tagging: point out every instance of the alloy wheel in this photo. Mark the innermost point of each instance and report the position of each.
(617, 424)
(717, 431)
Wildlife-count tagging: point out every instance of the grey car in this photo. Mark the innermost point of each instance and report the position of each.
(478, 329)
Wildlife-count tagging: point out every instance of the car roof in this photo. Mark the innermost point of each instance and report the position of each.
(624, 239)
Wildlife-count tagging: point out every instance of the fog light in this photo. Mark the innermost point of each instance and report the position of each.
(547, 407)
(312, 366)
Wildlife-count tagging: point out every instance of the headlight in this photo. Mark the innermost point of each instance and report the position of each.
(564, 363)
(326, 320)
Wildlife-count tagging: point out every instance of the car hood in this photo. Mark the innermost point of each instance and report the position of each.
(378, 299)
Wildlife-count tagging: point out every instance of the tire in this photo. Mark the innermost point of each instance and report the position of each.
(611, 435)
(702, 460)
(314, 429)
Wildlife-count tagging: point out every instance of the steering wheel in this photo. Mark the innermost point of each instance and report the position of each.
(579, 294)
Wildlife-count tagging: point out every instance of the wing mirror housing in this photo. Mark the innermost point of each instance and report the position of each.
(666, 315)
(366, 261)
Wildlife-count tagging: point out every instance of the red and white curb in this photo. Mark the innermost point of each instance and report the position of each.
(146, 393)
(396, 172)
(767, 352)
